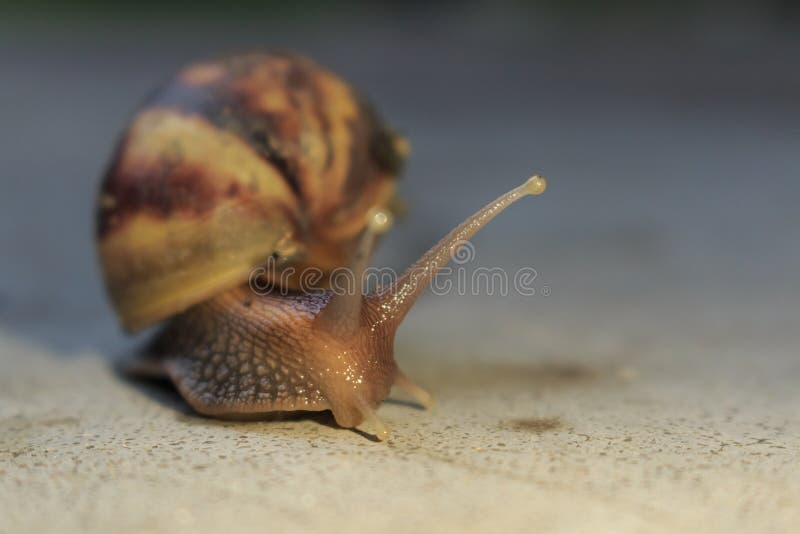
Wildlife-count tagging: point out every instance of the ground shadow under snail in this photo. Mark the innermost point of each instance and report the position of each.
(162, 391)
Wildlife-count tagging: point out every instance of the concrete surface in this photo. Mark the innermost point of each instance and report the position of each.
(653, 390)
(598, 434)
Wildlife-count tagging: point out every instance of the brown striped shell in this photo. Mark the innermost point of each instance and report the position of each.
(232, 161)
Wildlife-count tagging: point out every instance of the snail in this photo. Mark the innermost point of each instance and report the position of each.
(236, 162)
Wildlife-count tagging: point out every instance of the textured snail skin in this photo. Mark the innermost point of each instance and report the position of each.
(240, 353)
(229, 162)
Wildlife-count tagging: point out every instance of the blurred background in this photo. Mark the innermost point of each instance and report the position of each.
(669, 131)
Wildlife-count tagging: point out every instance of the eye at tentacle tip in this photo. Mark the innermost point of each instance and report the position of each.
(535, 185)
(379, 221)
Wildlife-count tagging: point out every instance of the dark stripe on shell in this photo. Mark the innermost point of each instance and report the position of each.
(227, 112)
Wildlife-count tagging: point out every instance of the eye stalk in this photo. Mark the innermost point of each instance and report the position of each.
(394, 302)
(390, 305)
(342, 314)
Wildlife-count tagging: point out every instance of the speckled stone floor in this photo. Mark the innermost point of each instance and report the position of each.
(606, 433)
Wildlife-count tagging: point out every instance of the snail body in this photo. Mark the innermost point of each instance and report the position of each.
(240, 160)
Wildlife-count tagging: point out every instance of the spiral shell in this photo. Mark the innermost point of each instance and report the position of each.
(232, 161)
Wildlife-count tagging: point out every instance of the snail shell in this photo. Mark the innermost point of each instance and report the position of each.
(230, 162)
